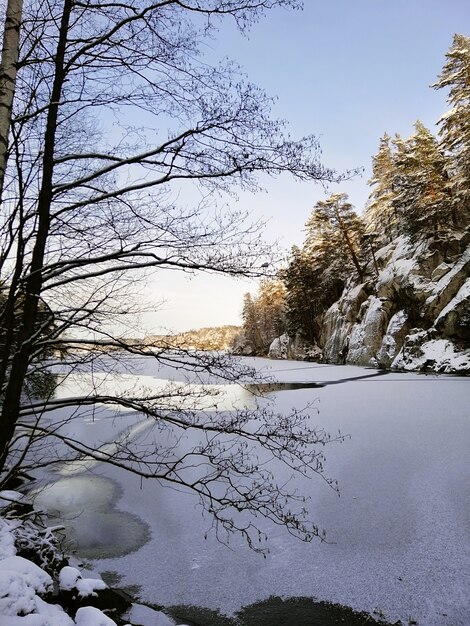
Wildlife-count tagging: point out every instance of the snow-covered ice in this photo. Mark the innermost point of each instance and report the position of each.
(397, 538)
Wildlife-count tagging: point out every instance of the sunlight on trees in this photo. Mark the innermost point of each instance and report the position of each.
(419, 191)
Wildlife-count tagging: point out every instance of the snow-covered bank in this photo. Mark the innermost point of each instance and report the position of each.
(28, 591)
(29, 594)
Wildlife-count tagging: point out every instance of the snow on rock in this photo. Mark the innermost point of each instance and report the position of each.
(28, 571)
(366, 336)
(37, 620)
(440, 271)
(425, 285)
(70, 578)
(339, 321)
(52, 613)
(454, 319)
(16, 595)
(447, 287)
(89, 616)
(434, 355)
(141, 615)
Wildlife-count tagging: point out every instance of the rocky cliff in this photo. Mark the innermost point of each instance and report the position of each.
(415, 314)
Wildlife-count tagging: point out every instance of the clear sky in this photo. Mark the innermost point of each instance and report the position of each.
(346, 71)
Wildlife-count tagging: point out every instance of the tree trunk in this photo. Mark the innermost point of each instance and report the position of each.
(33, 284)
(8, 67)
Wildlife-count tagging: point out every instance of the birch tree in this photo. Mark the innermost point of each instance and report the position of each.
(8, 67)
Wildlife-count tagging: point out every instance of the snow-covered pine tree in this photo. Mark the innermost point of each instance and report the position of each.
(380, 217)
(421, 192)
(455, 123)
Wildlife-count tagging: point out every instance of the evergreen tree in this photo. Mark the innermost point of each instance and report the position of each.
(264, 315)
(380, 217)
(316, 274)
(271, 305)
(336, 228)
(421, 193)
(250, 322)
(455, 124)
(310, 290)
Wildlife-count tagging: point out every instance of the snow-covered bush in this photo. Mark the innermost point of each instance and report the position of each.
(26, 587)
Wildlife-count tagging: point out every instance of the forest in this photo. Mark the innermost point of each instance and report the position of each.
(420, 197)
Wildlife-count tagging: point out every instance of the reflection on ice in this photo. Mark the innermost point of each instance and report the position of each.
(84, 505)
(170, 394)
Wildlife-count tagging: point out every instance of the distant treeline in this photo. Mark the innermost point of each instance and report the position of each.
(211, 338)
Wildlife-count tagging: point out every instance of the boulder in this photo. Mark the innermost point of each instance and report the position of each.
(279, 348)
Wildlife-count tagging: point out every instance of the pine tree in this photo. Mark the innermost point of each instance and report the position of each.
(455, 124)
(271, 306)
(310, 290)
(316, 274)
(421, 193)
(335, 226)
(380, 217)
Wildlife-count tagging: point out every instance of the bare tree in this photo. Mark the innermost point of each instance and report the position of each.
(91, 201)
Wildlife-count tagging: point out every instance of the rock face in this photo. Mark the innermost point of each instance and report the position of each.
(415, 315)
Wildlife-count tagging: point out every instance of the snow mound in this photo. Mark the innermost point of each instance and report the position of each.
(89, 616)
(33, 575)
(16, 596)
(70, 578)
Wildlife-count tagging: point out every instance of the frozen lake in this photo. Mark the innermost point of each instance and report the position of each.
(398, 537)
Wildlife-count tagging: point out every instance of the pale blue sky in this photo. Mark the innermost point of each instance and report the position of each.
(346, 71)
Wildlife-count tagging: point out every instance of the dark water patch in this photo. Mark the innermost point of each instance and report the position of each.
(199, 616)
(271, 387)
(277, 611)
(262, 388)
(302, 612)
